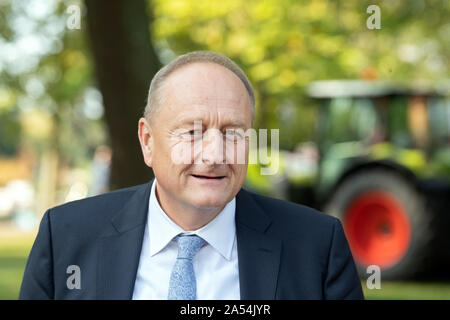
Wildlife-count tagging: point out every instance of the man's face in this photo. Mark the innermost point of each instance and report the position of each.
(196, 136)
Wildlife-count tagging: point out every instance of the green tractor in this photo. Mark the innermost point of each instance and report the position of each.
(383, 168)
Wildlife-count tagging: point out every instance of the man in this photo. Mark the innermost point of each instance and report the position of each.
(192, 232)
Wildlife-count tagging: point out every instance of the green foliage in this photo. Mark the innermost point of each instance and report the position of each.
(43, 93)
(283, 45)
(9, 132)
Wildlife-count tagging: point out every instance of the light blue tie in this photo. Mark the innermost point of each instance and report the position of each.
(182, 284)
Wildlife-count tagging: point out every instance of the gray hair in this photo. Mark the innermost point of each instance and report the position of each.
(154, 100)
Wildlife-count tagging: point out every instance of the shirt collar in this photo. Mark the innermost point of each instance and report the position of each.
(220, 232)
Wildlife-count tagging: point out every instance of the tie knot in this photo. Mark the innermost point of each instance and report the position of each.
(188, 246)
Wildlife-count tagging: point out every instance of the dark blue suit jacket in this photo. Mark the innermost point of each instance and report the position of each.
(285, 250)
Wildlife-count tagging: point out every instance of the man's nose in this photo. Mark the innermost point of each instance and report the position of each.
(212, 149)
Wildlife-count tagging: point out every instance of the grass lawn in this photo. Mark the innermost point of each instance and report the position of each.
(409, 291)
(14, 249)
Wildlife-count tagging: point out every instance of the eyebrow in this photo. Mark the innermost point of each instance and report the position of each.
(231, 123)
(234, 123)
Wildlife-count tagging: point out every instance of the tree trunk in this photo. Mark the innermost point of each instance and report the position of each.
(125, 62)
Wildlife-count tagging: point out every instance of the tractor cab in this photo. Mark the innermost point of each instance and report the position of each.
(379, 144)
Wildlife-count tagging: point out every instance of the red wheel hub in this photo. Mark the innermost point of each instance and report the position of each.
(377, 228)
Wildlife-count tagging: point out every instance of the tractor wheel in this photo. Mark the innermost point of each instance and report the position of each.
(385, 221)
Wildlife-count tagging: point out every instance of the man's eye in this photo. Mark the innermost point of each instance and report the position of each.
(233, 134)
(192, 133)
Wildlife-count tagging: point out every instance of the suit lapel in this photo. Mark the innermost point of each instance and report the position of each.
(120, 248)
(258, 252)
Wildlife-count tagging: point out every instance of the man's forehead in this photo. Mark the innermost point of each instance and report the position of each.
(226, 112)
(206, 109)
(200, 68)
(216, 93)
(205, 78)
(205, 117)
(205, 89)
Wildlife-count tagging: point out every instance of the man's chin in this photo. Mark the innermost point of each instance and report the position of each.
(209, 202)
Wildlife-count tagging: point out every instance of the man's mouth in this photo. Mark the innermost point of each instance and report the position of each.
(207, 177)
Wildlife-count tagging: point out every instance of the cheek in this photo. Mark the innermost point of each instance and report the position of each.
(239, 173)
(173, 160)
(236, 152)
(182, 153)
(161, 162)
(168, 150)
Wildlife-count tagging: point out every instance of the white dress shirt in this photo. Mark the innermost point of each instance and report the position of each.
(215, 265)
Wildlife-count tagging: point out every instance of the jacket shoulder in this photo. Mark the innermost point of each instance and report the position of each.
(92, 211)
(293, 216)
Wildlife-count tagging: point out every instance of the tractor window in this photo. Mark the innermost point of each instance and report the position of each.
(439, 115)
(398, 126)
(347, 120)
(418, 120)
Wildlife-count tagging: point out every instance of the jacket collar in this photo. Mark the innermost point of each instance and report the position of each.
(120, 248)
(258, 251)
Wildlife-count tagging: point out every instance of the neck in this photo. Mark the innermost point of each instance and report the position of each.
(188, 217)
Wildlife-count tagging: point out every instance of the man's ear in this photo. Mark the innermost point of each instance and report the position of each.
(146, 140)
